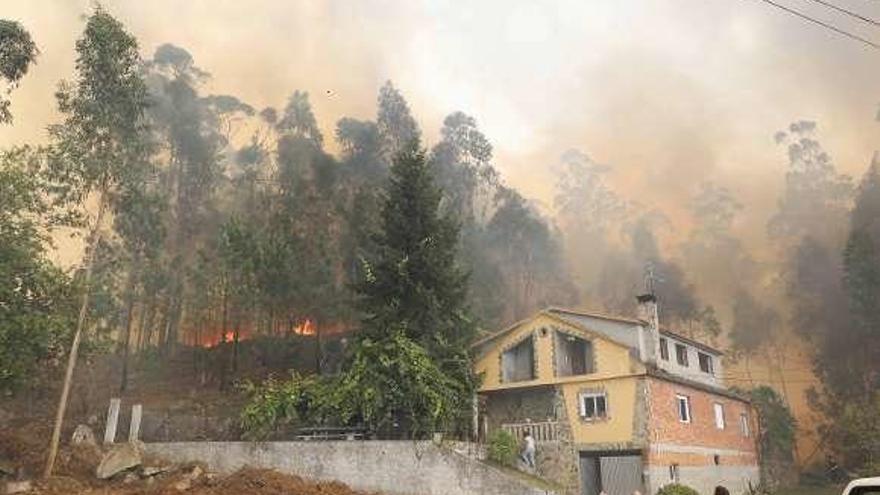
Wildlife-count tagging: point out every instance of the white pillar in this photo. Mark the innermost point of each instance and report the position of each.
(134, 429)
(112, 420)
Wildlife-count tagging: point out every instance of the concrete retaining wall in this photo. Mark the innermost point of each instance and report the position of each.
(391, 467)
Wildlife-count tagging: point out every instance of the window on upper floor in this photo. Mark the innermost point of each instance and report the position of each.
(706, 365)
(744, 425)
(684, 408)
(673, 473)
(574, 355)
(681, 354)
(593, 405)
(518, 362)
(719, 416)
(664, 349)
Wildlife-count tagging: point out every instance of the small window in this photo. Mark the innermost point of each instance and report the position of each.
(681, 354)
(673, 473)
(664, 349)
(594, 405)
(744, 425)
(719, 416)
(706, 363)
(684, 408)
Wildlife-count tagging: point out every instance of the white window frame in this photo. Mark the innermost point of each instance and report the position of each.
(582, 409)
(674, 473)
(744, 426)
(679, 398)
(720, 421)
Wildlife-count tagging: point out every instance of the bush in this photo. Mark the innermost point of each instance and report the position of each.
(677, 489)
(503, 448)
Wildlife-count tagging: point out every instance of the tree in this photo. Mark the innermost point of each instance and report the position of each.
(39, 299)
(17, 53)
(100, 142)
(415, 284)
(396, 125)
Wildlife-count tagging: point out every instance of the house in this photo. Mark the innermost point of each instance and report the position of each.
(617, 404)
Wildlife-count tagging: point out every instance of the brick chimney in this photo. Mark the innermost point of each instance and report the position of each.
(649, 332)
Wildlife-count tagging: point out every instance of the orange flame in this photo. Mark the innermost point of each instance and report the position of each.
(306, 327)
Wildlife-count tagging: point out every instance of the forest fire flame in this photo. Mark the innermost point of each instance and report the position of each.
(307, 327)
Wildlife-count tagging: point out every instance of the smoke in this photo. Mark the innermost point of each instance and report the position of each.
(665, 93)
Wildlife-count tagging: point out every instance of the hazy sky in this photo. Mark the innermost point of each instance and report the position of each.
(668, 92)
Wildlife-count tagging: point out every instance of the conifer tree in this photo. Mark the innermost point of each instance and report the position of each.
(415, 283)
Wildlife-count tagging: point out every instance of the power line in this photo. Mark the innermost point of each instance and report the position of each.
(823, 24)
(847, 12)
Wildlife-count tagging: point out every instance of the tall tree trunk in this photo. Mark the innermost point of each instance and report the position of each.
(222, 341)
(126, 342)
(94, 238)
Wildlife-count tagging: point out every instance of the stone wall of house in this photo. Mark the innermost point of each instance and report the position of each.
(520, 405)
(556, 461)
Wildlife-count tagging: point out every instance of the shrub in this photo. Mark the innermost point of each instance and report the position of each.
(503, 448)
(677, 489)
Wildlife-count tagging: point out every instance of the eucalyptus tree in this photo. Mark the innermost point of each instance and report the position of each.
(192, 141)
(397, 127)
(100, 144)
(17, 53)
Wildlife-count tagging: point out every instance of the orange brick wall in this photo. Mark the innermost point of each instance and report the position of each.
(696, 442)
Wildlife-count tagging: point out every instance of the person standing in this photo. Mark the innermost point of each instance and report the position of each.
(528, 453)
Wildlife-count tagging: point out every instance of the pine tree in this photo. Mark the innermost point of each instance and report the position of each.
(415, 283)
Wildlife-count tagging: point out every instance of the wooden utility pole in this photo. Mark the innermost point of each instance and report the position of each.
(91, 248)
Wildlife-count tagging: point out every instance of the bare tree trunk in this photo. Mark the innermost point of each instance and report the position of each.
(132, 278)
(94, 238)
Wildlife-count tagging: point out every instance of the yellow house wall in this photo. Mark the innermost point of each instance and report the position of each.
(616, 372)
(610, 358)
(621, 404)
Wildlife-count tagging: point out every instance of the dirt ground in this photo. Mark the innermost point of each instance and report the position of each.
(23, 449)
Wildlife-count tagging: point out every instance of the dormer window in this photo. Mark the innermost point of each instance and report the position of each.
(574, 355)
(664, 349)
(518, 362)
(681, 354)
(706, 363)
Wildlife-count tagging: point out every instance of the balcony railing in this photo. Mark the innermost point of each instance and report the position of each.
(545, 431)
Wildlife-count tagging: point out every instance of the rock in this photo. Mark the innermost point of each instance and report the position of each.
(195, 473)
(83, 435)
(183, 485)
(119, 458)
(17, 487)
(130, 478)
(150, 471)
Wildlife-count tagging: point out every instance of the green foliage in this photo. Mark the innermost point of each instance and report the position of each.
(677, 489)
(503, 448)
(388, 381)
(36, 298)
(393, 379)
(274, 403)
(777, 425)
(17, 52)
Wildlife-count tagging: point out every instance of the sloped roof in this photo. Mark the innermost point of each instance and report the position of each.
(581, 319)
(578, 319)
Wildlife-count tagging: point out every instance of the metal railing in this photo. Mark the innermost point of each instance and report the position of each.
(544, 431)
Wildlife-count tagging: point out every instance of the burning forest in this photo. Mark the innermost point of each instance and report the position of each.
(322, 205)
